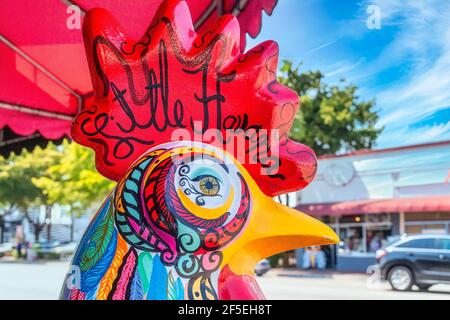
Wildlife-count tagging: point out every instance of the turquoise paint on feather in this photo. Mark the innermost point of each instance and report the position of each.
(179, 289)
(134, 213)
(131, 186)
(171, 287)
(120, 218)
(136, 174)
(145, 268)
(144, 164)
(129, 198)
(133, 238)
(125, 229)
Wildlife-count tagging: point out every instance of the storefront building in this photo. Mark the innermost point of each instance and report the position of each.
(370, 197)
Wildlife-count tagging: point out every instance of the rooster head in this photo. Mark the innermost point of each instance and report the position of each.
(195, 132)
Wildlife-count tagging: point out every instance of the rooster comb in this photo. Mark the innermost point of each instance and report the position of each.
(174, 78)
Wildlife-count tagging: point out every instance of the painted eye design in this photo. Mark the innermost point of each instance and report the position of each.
(209, 185)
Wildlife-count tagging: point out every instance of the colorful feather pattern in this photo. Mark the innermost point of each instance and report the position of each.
(130, 201)
(76, 294)
(171, 288)
(91, 278)
(158, 281)
(90, 295)
(125, 274)
(145, 268)
(136, 290)
(101, 252)
(98, 243)
(179, 289)
(107, 281)
(85, 240)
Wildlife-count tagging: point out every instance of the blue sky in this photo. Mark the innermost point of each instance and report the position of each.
(404, 65)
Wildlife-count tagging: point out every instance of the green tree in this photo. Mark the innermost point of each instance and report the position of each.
(331, 118)
(17, 191)
(73, 180)
(63, 175)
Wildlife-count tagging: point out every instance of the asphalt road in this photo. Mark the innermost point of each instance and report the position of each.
(341, 287)
(43, 281)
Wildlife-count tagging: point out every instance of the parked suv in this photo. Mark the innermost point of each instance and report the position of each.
(422, 260)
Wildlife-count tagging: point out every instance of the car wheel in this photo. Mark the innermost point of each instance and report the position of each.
(401, 278)
(423, 287)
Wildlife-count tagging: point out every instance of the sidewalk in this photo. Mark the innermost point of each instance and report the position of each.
(43, 280)
(314, 274)
(13, 260)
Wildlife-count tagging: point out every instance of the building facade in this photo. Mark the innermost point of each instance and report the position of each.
(369, 197)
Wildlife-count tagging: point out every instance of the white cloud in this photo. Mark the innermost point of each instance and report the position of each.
(423, 40)
(320, 47)
(344, 68)
(423, 93)
(410, 136)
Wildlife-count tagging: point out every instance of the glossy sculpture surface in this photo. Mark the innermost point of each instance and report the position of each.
(184, 122)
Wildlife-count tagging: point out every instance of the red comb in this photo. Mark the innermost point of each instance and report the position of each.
(173, 78)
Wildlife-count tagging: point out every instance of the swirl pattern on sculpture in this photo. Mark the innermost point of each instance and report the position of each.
(182, 202)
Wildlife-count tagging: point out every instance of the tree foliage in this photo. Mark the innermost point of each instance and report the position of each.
(17, 189)
(73, 180)
(332, 118)
(63, 175)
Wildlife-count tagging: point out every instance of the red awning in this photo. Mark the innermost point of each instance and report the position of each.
(424, 204)
(44, 76)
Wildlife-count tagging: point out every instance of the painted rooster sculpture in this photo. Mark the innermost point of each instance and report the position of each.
(192, 212)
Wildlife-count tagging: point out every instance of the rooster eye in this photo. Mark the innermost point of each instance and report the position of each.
(209, 185)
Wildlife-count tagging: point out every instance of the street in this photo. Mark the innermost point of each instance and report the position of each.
(42, 280)
(340, 287)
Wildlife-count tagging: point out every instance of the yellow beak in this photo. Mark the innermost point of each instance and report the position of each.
(273, 228)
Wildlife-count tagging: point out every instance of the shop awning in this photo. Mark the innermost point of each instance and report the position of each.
(44, 76)
(423, 204)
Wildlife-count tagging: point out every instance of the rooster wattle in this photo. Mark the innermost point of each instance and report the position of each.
(190, 216)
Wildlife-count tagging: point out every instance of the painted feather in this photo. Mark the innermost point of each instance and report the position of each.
(106, 283)
(130, 200)
(98, 243)
(76, 294)
(158, 281)
(179, 289)
(145, 268)
(125, 274)
(136, 291)
(171, 288)
(85, 240)
(91, 278)
(90, 295)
